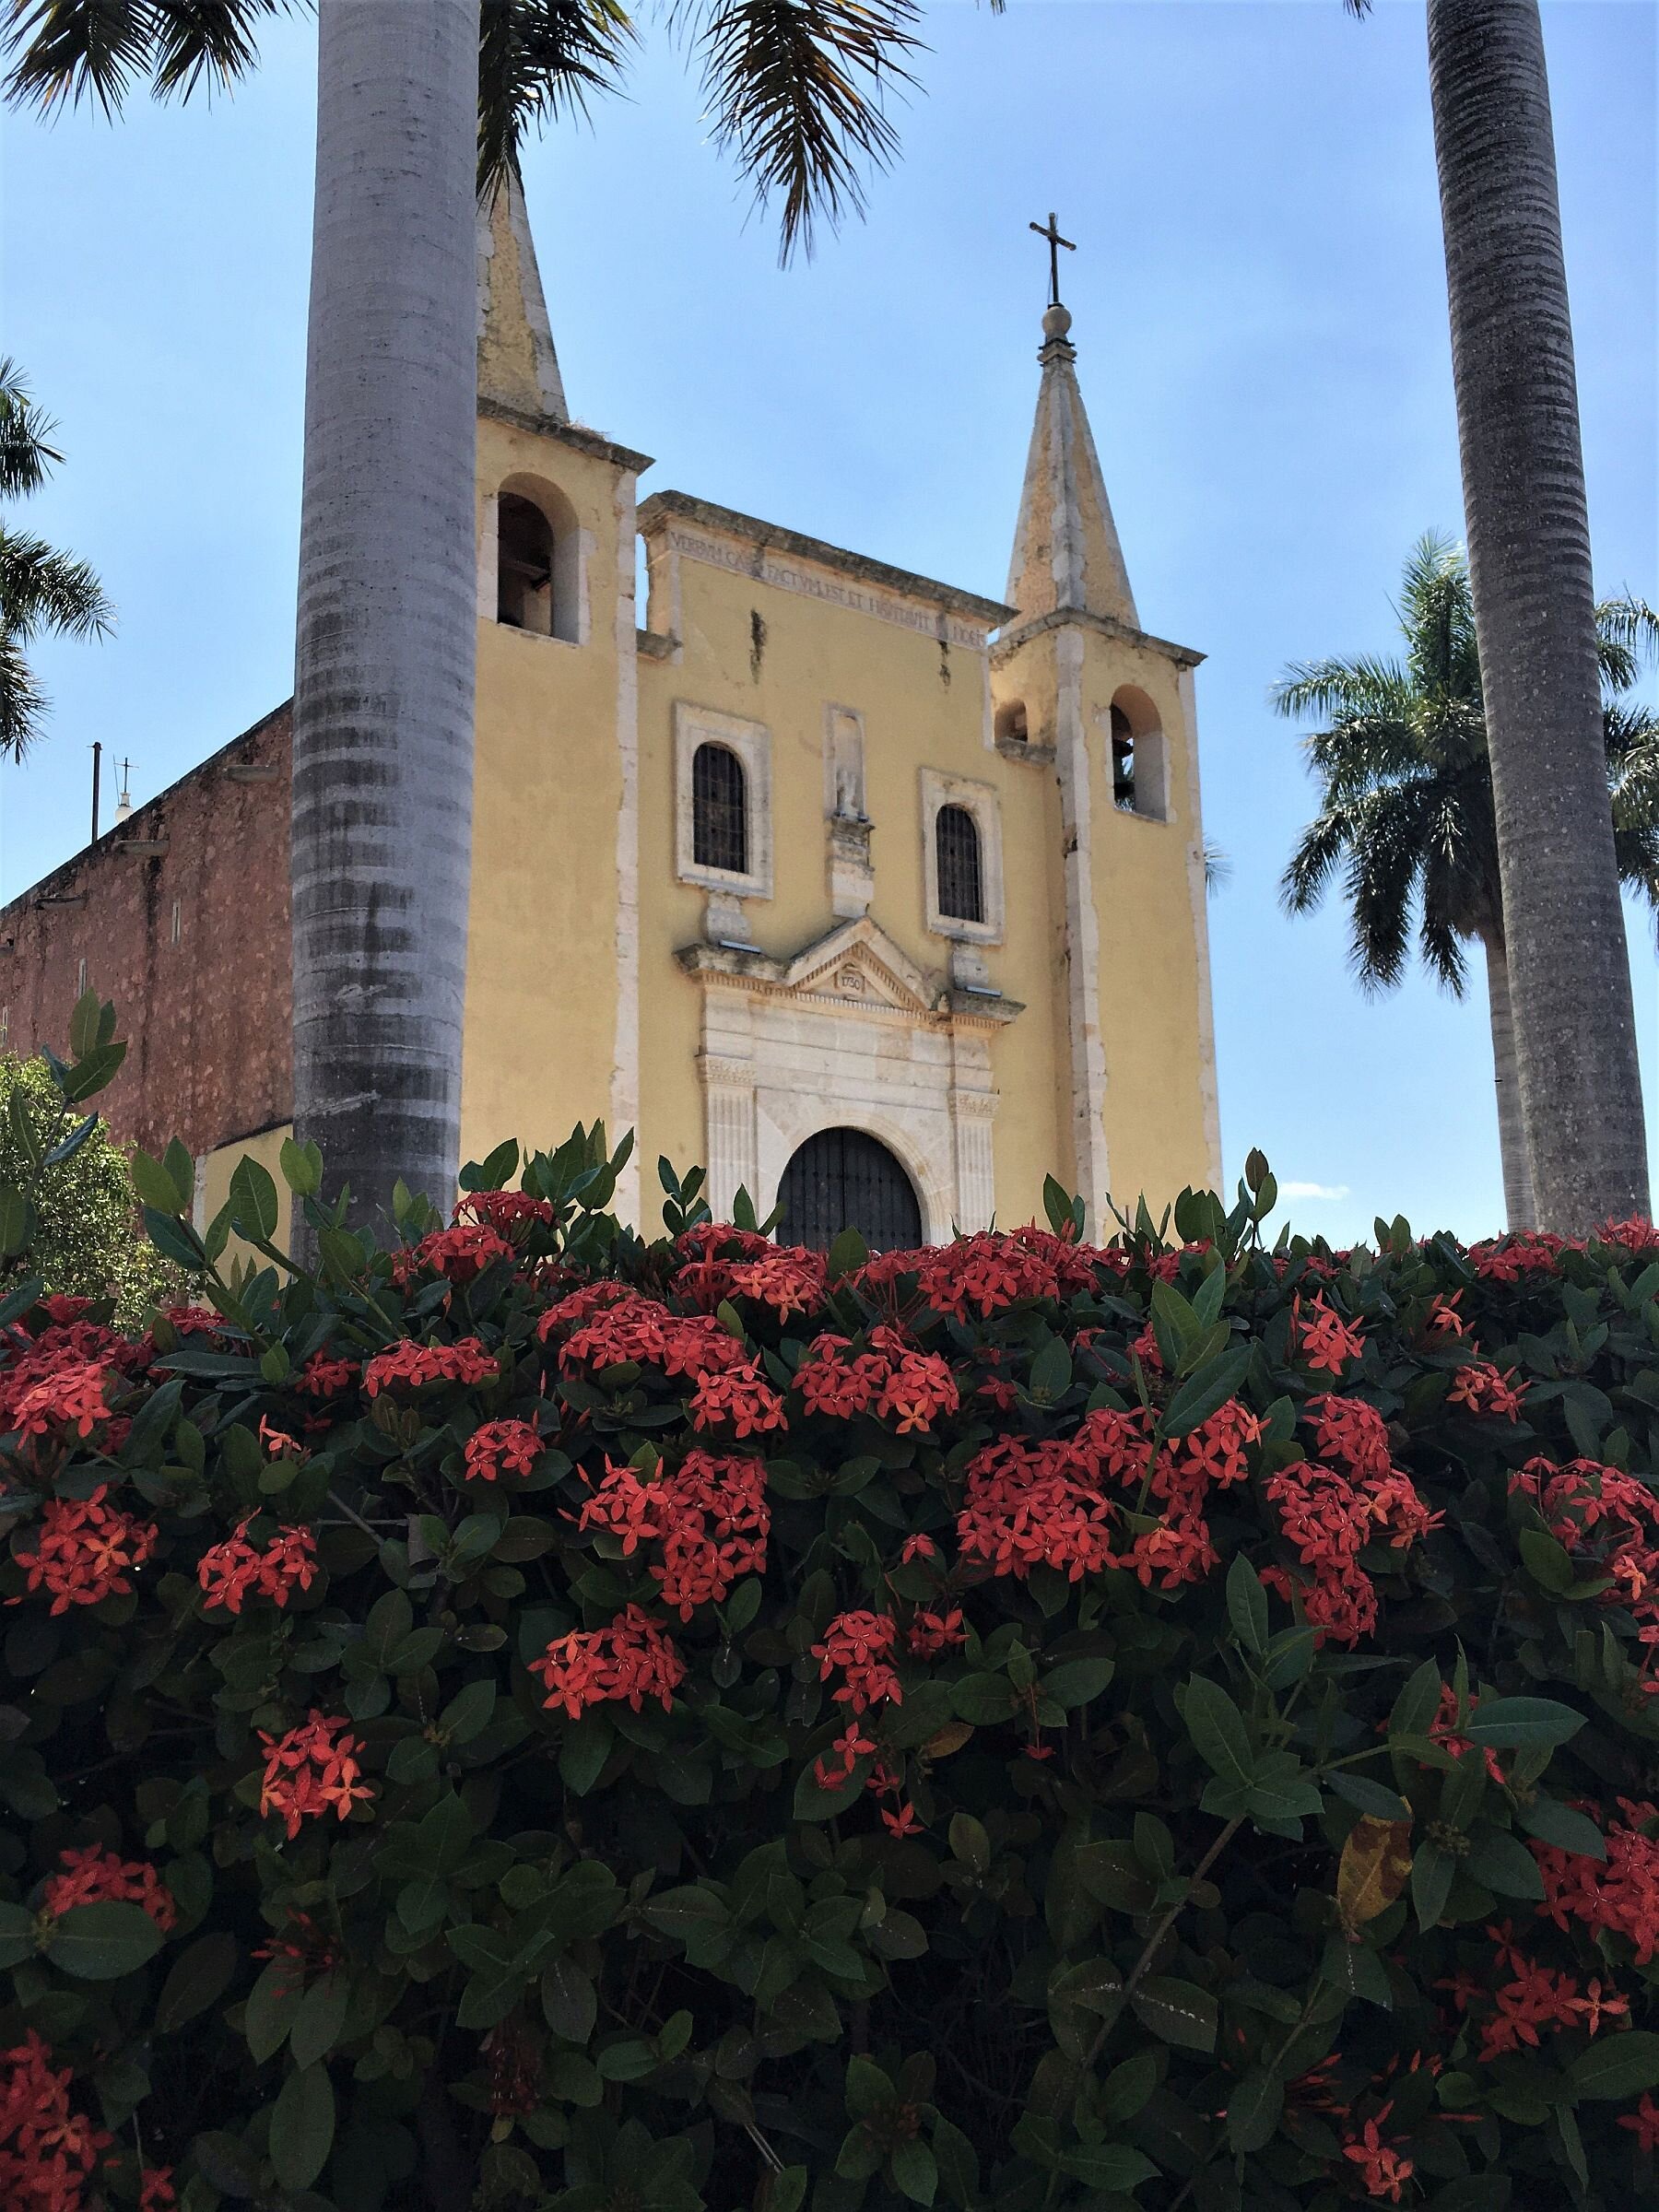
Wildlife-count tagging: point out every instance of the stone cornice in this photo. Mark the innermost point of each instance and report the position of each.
(567, 433)
(663, 507)
(1107, 626)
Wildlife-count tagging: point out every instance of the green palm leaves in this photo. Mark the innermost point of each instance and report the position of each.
(798, 90)
(1406, 792)
(41, 592)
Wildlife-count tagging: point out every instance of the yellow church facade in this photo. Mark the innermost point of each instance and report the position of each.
(807, 845)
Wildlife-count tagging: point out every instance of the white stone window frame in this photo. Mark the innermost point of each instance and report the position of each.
(751, 741)
(981, 801)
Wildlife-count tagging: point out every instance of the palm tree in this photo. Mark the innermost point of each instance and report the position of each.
(42, 593)
(1406, 805)
(421, 105)
(1529, 562)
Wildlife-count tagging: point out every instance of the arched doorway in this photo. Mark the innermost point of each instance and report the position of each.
(844, 1179)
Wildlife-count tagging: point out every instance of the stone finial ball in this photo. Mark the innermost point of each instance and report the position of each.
(1056, 322)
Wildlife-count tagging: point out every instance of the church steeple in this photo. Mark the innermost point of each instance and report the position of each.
(517, 365)
(1067, 556)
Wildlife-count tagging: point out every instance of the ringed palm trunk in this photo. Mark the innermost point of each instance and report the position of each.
(1512, 1134)
(384, 657)
(1529, 566)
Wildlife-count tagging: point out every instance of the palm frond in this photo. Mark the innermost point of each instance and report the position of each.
(1627, 635)
(1218, 866)
(25, 458)
(67, 51)
(207, 42)
(538, 62)
(797, 88)
(22, 702)
(1310, 868)
(1386, 859)
(44, 591)
(1365, 684)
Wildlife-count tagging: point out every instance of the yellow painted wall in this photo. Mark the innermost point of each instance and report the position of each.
(541, 979)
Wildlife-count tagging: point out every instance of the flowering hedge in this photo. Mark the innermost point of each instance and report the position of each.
(540, 1718)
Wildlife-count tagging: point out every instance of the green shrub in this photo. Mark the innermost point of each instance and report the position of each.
(537, 1718)
(78, 1227)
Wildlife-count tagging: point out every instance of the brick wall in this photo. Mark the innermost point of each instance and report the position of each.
(208, 1017)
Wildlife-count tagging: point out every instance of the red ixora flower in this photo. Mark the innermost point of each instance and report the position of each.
(890, 1378)
(709, 1514)
(1481, 1389)
(459, 1254)
(86, 1550)
(95, 1876)
(626, 1663)
(322, 1377)
(68, 1402)
(855, 1646)
(1382, 2169)
(48, 2150)
(304, 1948)
(1325, 1340)
(232, 1571)
(156, 2191)
(1618, 1895)
(311, 1771)
(505, 1211)
(1644, 2122)
(413, 1366)
(498, 1448)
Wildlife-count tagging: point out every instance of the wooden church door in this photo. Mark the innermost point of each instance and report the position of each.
(843, 1178)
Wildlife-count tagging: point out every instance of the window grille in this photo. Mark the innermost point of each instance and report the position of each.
(719, 810)
(957, 851)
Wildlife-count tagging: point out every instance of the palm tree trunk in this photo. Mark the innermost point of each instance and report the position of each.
(385, 661)
(1512, 1134)
(1529, 563)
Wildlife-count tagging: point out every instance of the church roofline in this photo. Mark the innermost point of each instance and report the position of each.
(662, 507)
(1107, 626)
(567, 433)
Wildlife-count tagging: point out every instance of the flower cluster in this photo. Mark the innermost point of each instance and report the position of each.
(498, 1448)
(411, 1365)
(625, 1662)
(1607, 1522)
(891, 1378)
(232, 1571)
(856, 1646)
(1325, 1341)
(69, 1401)
(986, 1274)
(1619, 1895)
(709, 1514)
(510, 1214)
(728, 1390)
(305, 1949)
(86, 1550)
(1480, 1388)
(719, 1262)
(322, 1377)
(314, 1769)
(460, 1254)
(1330, 1513)
(48, 2151)
(94, 1876)
(1513, 2000)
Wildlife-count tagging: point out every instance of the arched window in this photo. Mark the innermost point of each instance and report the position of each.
(957, 851)
(719, 809)
(1139, 782)
(844, 1179)
(523, 565)
(1011, 726)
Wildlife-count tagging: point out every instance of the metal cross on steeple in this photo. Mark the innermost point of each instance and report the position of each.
(1055, 243)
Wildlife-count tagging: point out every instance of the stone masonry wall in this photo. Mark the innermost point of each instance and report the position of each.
(206, 1011)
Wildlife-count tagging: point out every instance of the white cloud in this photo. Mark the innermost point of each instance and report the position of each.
(1313, 1190)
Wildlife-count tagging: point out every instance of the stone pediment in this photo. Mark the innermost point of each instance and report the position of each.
(861, 962)
(857, 966)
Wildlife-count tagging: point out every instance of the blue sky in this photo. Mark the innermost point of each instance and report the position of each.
(1260, 313)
